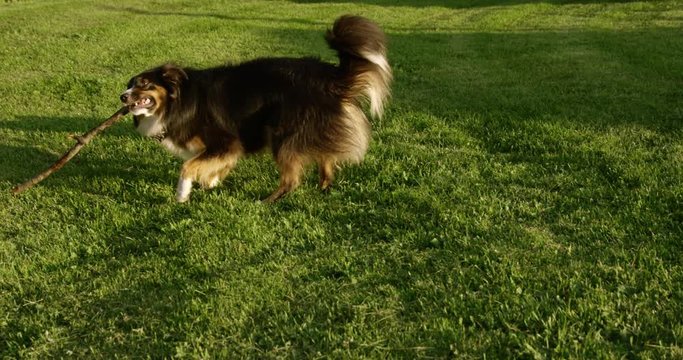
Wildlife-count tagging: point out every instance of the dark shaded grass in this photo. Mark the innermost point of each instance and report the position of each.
(460, 4)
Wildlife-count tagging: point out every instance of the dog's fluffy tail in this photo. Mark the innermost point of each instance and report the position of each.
(361, 46)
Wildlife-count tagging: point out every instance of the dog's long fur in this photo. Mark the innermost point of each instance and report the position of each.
(304, 110)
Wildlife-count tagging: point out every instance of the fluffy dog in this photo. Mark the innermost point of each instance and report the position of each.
(303, 109)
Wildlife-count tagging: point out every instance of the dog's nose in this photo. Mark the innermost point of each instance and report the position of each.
(124, 97)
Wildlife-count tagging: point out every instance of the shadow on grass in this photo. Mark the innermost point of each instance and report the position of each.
(597, 79)
(134, 294)
(67, 124)
(21, 163)
(116, 153)
(143, 12)
(458, 4)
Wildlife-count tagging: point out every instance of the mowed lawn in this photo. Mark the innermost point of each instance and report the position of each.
(522, 197)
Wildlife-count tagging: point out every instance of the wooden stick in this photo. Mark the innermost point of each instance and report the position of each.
(81, 141)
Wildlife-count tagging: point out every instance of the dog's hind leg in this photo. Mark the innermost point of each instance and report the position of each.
(326, 171)
(291, 166)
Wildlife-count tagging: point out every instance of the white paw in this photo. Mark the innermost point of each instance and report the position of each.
(183, 190)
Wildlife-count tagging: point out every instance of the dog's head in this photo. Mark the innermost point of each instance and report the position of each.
(150, 92)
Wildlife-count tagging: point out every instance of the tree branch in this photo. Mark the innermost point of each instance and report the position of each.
(81, 141)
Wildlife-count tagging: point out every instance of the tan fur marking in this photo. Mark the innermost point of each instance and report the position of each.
(159, 94)
(207, 170)
(195, 144)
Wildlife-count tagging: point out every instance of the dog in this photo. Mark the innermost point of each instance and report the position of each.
(303, 109)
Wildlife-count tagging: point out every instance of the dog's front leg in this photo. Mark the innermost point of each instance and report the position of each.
(188, 174)
(184, 188)
(207, 169)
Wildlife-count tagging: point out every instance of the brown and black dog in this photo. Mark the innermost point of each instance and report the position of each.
(303, 109)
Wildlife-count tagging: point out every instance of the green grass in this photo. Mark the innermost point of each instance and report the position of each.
(522, 198)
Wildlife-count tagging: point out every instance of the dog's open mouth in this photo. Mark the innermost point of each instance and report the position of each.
(142, 103)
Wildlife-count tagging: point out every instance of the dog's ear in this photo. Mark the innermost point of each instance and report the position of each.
(174, 76)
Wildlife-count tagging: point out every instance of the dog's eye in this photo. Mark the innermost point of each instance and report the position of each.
(144, 82)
